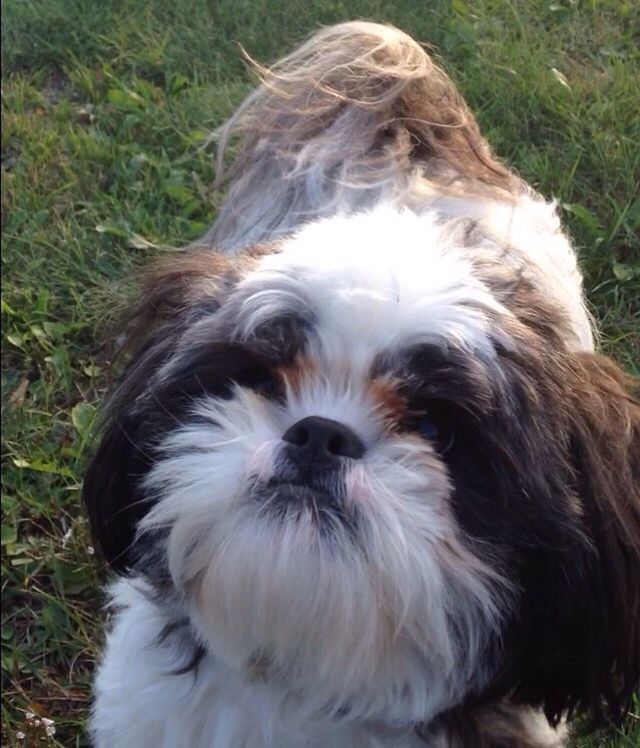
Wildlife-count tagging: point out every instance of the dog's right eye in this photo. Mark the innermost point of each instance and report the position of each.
(215, 369)
(265, 382)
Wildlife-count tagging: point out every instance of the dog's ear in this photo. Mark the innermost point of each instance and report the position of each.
(187, 287)
(605, 449)
(111, 491)
(581, 621)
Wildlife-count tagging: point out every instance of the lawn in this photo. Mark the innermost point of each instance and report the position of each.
(105, 163)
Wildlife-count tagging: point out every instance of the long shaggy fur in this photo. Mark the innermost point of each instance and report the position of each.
(358, 115)
(469, 576)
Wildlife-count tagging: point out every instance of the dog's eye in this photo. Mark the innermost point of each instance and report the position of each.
(435, 425)
(266, 383)
(427, 427)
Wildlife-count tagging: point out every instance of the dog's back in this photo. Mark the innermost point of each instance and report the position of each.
(357, 115)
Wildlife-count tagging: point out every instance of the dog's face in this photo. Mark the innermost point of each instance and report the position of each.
(368, 464)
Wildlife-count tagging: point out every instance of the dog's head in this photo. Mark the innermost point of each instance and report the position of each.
(376, 474)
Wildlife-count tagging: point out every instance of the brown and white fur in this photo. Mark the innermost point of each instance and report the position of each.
(365, 480)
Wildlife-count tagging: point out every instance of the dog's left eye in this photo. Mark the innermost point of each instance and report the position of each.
(427, 427)
(435, 425)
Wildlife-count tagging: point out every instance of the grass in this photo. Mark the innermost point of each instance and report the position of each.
(105, 107)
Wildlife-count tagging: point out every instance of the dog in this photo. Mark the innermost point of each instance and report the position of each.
(365, 480)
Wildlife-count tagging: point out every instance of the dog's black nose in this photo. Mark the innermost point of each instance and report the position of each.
(320, 443)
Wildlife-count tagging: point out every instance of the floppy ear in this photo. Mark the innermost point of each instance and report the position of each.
(606, 459)
(177, 292)
(111, 490)
(584, 609)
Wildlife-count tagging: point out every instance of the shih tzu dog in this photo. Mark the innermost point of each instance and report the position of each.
(364, 478)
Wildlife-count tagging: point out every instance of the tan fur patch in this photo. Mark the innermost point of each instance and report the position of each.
(300, 371)
(392, 405)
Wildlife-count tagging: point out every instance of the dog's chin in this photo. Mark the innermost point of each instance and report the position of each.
(305, 629)
(294, 599)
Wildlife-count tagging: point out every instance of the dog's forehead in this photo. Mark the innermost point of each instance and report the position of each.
(373, 282)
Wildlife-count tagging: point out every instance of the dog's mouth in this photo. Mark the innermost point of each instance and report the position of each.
(286, 500)
(300, 493)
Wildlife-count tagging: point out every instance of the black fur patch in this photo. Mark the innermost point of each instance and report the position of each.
(145, 409)
(536, 435)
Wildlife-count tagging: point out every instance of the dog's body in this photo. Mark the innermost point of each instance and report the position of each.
(366, 480)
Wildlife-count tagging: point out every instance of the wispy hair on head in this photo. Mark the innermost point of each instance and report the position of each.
(357, 114)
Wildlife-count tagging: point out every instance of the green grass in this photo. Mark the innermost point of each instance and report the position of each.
(105, 106)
